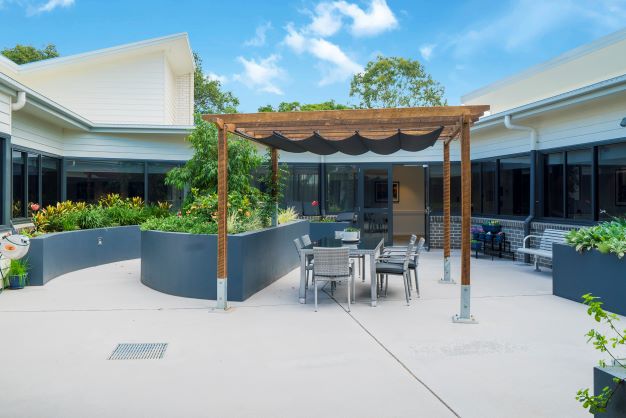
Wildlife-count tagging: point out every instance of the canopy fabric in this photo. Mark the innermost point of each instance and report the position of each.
(356, 144)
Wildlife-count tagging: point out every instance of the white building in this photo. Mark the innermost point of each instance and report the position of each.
(111, 120)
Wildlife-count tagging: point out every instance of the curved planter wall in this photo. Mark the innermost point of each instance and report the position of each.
(320, 230)
(603, 275)
(52, 255)
(186, 264)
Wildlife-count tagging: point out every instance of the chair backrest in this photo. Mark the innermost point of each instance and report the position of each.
(551, 236)
(298, 245)
(345, 217)
(306, 240)
(409, 254)
(331, 262)
(418, 249)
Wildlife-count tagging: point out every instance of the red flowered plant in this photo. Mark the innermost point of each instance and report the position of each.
(315, 203)
(34, 207)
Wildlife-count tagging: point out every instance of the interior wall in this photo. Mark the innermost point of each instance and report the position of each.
(408, 213)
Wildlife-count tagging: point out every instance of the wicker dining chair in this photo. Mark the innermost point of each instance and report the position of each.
(332, 265)
(306, 240)
(308, 263)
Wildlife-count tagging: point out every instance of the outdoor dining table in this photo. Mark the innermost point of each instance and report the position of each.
(369, 246)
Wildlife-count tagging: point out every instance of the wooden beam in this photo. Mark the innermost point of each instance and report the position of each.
(466, 204)
(222, 217)
(446, 201)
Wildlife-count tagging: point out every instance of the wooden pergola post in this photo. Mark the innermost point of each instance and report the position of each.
(274, 154)
(222, 215)
(446, 213)
(466, 223)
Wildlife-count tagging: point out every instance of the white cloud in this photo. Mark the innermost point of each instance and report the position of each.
(50, 5)
(326, 21)
(261, 75)
(341, 68)
(260, 35)
(294, 39)
(426, 51)
(213, 76)
(378, 18)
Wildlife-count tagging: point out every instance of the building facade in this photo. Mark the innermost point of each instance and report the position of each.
(108, 121)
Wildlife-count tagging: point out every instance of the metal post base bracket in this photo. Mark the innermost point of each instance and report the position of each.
(464, 317)
(446, 272)
(222, 295)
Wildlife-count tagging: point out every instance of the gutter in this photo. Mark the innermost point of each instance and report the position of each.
(20, 103)
(533, 168)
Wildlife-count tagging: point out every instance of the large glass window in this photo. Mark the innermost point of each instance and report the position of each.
(18, 168)
(158, 191)
(50, 180)
(341, 188)
(33, 178)
(579, 168)
(88, 181)
(302, 189)
(476, 193)
(488, 188)
(515, 186)
(612, 180)
(553, 186)
(436, 188)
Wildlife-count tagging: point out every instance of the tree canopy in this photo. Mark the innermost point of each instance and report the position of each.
(297, 106)
(208, 95)
(23, 54)
(396, 82)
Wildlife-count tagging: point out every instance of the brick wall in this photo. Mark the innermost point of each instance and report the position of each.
(512, 228)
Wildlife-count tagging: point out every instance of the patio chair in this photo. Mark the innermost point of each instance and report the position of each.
(308, 264)
(332, 265)
(396, 257)
(306, 240)
(386, 267)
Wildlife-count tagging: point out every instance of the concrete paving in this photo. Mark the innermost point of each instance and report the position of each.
(272, 357)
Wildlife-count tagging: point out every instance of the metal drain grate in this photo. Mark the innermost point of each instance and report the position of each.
(138, 351)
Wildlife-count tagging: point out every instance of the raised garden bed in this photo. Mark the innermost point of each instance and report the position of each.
(575, 274)
(602, 377)
(184, 264)
(320, 230)
(54, 254)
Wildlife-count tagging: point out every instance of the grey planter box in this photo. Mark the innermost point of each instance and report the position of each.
(320, 230)
(602, 377)
(52, 255)
(603, 275)
(186, 264)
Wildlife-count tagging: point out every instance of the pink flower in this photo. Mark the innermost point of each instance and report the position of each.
(315, 203)
(34, 207)
(179, 214)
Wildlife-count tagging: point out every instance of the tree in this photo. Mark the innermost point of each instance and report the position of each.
(208, 95)
(23, 54)
(396, 82)
(297, 106)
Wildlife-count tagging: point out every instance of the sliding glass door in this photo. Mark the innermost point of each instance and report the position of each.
(375, 207)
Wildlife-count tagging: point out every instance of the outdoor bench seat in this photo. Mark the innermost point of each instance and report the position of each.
(549, 237)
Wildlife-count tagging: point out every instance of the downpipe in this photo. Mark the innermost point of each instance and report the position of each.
(20, 102)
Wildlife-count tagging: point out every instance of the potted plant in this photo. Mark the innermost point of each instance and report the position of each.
(351, 234)
(492, 227)
(17, 274)
(476, 231)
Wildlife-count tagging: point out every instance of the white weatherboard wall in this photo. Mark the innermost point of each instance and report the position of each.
(5, 113)
(589, 64)
(129, 91)
(31, 132)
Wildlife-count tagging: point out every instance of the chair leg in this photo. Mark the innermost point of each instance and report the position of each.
(537, 263)
(386, 283)
(417, 284)
(315, 289)
(406, 288)
(348, 295)
(353, 289)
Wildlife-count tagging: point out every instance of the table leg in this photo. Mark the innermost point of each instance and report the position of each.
(302, 292)
(373, 286)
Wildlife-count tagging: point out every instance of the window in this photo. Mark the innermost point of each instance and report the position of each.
(33, 178)
(88, 181)
(302, 189)
(488, 187)
(50, 180)
(612, 180)
(19, 188)
(553, 186)
(341, 188)
(436, 188)
(158, 191)
(515, 186)
(579, 168)
(476, 189)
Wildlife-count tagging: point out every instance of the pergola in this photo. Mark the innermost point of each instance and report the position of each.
(354, 132)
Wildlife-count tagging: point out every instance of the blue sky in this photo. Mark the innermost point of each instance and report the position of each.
(272, 51)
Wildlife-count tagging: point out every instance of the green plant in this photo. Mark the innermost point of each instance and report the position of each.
(604, 344)
(92, 218)
(606, 237)
(287, 215)
(17, 268)
(493, 222)
(352, 229)
(324, 220)
(175, 223)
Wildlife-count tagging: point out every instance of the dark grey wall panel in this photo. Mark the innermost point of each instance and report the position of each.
(602, 377)
(603, 275)
(52, 255)
(185, 264)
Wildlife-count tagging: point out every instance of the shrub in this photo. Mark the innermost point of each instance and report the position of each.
(607, 237)
(287, 215)
(179, 223)
(92, 218)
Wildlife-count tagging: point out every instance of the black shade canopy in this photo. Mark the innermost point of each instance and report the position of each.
(356, 144)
